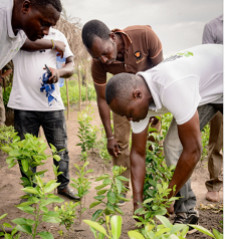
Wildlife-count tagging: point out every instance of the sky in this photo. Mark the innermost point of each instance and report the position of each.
(178, 23)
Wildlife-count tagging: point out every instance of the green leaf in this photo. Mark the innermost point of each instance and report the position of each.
(23, 221)
(100, 186)
(164, 221)
(3, 216)
(94, 204)
(57, 157)
(135, 235)
(25, 165)
(26, 209)
(116, 224)
(51, 216)
(202, 229)
(217, 234)
(119, 185)
(96, 226)
(31, 190)
(101, 192)
(45, 235)
(97, 214)
(7, 225)
(24, 228)
(50, 186)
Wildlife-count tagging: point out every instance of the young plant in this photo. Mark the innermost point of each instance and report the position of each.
(161, 231)
(7, 135)
(109, 194)
(67, 215)
(102, 146)
(86, 132)
(29, 153)
(113, 225)
(4, 232)
(154, 206)
(81, 184)
(38, 198)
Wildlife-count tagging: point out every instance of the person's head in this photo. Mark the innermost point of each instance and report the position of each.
(35, 17)
(99, 41)
(127, 95)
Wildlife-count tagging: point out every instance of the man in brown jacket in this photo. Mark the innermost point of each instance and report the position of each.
(133, 49)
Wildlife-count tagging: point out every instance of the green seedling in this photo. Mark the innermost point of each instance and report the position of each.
(113, 225)
(109, 194)
(3, 232)
(82, 184)
(165, 230)
(67, 215)
(38, 198)
(154, 206)
(86, 132)
(29, 153)
(7, 136)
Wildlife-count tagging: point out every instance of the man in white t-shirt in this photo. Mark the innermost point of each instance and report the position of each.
(190, 86)
(21, 19)
(32, 108)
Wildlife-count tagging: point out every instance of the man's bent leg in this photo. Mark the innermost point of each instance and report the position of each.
(121, 134)
(215, 158)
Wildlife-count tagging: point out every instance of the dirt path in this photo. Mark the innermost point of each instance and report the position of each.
(10, 188)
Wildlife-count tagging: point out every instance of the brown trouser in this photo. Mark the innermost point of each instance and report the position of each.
(215, 158)
(122, 135)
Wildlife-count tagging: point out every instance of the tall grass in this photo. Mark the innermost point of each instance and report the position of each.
(73, 89)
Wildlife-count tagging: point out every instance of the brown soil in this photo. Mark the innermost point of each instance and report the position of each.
(10, 190)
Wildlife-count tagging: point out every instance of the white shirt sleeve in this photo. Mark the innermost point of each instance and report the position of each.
(182, 98)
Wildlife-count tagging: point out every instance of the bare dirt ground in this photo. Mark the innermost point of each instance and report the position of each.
(10, 190)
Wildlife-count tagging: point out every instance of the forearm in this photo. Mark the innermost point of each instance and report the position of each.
(104, 113)
(184, 169)
(67, 70)
(137, 177)
(37, 45)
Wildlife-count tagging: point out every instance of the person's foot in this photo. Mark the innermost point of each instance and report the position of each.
(212, 196)
(69, 193)
(187, 218)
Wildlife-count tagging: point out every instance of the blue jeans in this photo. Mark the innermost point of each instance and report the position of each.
(54, 126)
(173, 149)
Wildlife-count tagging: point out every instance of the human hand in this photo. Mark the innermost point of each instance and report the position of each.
(54, 75)
(60, 48)
(170, 210)
(113, 147)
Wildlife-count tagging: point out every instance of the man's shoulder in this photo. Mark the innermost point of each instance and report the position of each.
(137, 28)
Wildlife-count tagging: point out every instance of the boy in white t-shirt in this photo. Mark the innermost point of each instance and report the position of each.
(190, 86)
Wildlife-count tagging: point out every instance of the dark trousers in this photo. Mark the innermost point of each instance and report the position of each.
(54, 126)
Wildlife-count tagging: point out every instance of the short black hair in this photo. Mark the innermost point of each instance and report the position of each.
(55, 3)
(94, 28)
(120, 87)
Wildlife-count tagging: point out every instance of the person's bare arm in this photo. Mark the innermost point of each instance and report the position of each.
(137, 166)
(42, 44)
(190, 137)
(66, 71)
(104, 112)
